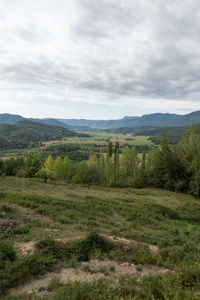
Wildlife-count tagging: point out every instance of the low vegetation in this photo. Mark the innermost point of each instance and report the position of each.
(81, 227)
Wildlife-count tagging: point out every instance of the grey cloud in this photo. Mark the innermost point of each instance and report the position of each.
(30, 34)
(122, 48)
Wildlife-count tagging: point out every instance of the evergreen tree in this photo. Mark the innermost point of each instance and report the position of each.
(33, 163)
(164, 167)
(188, 151)
(2, 167)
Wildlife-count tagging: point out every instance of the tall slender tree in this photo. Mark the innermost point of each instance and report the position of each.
(101, 167)
(116, 161)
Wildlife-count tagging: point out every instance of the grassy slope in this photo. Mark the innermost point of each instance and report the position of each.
(169, 220)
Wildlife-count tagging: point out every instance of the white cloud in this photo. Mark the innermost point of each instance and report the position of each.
(142, 54)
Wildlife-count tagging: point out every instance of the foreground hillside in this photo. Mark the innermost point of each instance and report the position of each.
(63, 241)
(21, 134)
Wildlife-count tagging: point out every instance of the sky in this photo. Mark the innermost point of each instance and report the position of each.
(99, 59)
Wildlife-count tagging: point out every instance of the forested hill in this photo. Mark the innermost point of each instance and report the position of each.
(9, 119)
(25, 132)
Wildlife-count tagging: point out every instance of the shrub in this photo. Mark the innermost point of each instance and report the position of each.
(50, 247)
(84, 249)
(7, 211)
(7, 252)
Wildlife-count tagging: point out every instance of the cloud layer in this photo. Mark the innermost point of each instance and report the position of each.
(141, 54)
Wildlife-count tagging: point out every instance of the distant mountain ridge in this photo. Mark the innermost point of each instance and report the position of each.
(154, 120)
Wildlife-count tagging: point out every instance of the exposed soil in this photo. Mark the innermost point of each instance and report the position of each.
(69, 274)
(131, 244)
(25, 248)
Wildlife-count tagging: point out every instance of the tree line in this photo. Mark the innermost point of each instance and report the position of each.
(173, 168)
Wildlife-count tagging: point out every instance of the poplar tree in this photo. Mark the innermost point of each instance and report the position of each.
(107, 167)
(59, 168)
(101, 167)
(49, 167)
(116, 161)
(49, 163)
(67, 166)
(93, 169)
(110, 149)
(129, 161)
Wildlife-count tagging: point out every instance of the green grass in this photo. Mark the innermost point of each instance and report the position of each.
(104, 137)
(163, 218)
(137, 218)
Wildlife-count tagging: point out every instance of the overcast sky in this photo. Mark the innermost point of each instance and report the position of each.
(99, 59)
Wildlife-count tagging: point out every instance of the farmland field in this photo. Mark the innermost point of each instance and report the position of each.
(64, 241)
(104, 137)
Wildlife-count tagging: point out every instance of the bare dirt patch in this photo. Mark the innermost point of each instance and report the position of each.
(25, 248)
(69, 274)
(126, 244)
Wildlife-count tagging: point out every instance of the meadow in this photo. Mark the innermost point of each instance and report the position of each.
(65, 241)
(103, 137)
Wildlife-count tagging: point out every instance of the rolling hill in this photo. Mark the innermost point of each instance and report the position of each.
(9, 119)
(22, 133)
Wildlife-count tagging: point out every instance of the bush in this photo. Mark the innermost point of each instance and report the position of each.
(84, 249)
(7, 211)
(50, 248)
(7, 252)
